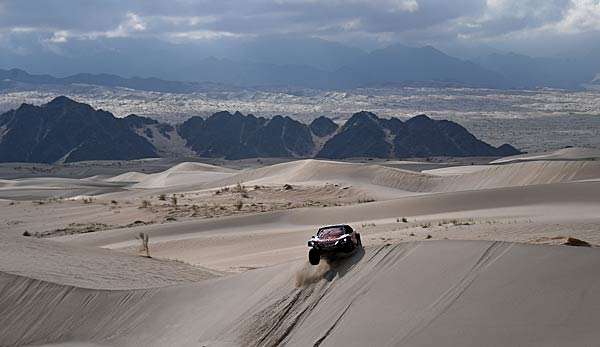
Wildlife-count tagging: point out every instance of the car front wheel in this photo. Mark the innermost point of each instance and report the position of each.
(314, 257)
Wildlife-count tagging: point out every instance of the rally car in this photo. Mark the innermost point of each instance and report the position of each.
(333, 240)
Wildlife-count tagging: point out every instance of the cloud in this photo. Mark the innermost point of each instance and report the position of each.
(582, 16)
(362, 22)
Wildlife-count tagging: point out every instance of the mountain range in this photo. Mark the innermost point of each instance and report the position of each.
(64, 130)
(312, 63)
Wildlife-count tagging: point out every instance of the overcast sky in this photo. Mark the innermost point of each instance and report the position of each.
(528, 26)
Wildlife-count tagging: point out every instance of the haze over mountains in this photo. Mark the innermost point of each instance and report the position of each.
(67, 131)
(303, 62)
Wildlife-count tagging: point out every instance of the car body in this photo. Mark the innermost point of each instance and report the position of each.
(331, 240)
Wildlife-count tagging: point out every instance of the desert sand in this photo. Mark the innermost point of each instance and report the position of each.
(454, 255)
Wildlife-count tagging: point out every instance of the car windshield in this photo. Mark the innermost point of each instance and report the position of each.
(331, 232)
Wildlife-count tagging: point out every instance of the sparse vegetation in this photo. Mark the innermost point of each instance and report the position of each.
(73, 229)
(404, 220)
(146, 204)
(365, 200)
(162, 197)
(174, 200)
(114, 202)
(144, 248)
(26, 233)
(239, 204)
(287, 187)
(241, 189)
(571, 241)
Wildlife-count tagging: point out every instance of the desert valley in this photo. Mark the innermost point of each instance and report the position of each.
(299, 173)
(479, 241)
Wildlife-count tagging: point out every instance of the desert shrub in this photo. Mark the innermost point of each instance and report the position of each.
(239, 204)
(144, 248)
(365, 200)
(145, 204)
(239, 188)
(162, 197)
(287, 187)
(26, 233)
(427, 237)
(114, 202)
(571, 241)
(174, 200)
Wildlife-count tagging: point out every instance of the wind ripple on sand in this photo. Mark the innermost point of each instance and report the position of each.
(418, 294)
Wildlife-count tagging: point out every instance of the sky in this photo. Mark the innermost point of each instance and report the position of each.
(535, 27)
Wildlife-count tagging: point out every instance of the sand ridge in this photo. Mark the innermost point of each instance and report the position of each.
(437, 290)
(243, 279)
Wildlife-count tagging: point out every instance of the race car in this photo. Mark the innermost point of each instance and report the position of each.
(333, 240)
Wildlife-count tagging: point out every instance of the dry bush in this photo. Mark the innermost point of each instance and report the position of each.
(145, 204)
(365, 200)
(571, 241)
(287, 187)
(162, 197)
(239, 204)
(144, 248)
(174, 200)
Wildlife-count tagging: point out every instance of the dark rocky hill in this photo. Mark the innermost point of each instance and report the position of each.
(235, 136)
(65, 130)
(366, 135)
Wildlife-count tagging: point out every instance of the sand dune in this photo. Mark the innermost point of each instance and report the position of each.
(522, 174)
(46, 187)
(516, 198)
(128, 177)
(382, 182)
(90, 289)
(573, 153)
(373, 176)
(429, 293)
(184, 174)
(322, 171)
(91, 267)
